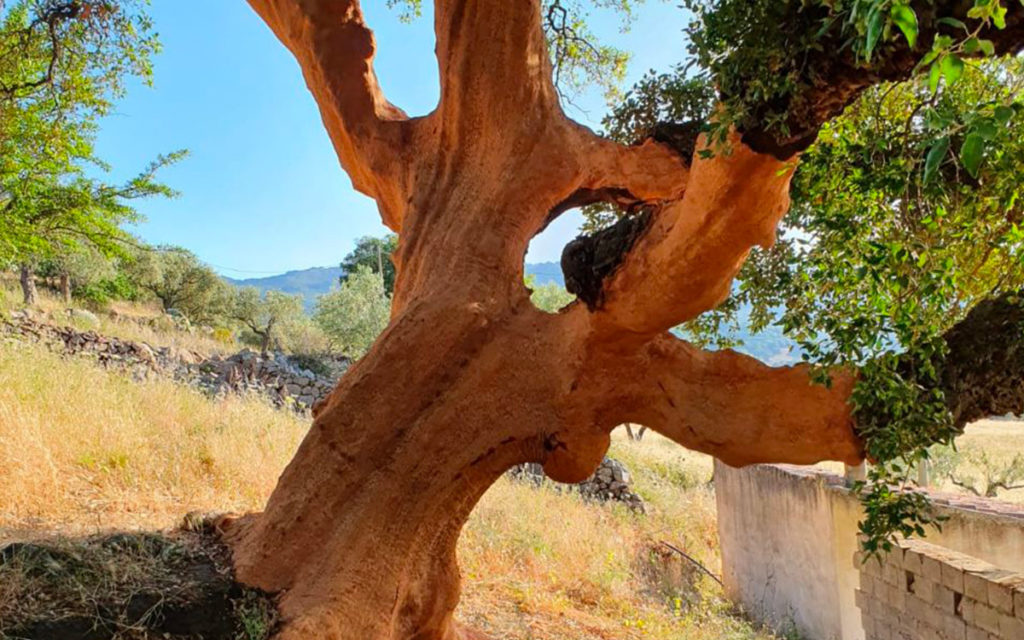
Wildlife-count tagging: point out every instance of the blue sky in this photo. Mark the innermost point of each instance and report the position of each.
(262, 191)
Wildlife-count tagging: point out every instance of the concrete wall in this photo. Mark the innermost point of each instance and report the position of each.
(788, 536)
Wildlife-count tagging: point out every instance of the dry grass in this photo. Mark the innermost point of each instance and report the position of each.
(83, 449)
(1001, 440)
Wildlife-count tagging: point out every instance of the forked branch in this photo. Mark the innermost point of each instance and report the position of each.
(335, 49)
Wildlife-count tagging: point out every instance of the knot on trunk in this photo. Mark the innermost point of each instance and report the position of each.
(589, 259)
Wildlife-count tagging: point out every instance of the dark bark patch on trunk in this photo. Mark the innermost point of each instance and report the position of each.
(589, 259)
(680, 137)
(830, 82)
(983, 373)
(176, 585)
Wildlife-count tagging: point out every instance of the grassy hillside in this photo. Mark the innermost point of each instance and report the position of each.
(83, 449)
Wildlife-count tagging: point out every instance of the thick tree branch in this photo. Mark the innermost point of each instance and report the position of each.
(335, 49)
(835, 79)
(742, 411)
(494, 68)
(685, 263)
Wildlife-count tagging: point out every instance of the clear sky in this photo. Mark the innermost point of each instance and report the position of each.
(262, 191)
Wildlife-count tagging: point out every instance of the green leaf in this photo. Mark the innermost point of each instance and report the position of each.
(934, 74)
(906, 19)
(952, 68)
(987, 47)
(935, 157)
(985, 128)
(1003, 113)
(971, 152)
(953, 22)
(875, 24)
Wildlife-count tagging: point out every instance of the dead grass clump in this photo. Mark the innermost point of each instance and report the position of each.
(126, 586)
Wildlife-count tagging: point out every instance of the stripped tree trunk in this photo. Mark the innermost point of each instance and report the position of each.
(469, 378)
(30, 295)
(65, 288)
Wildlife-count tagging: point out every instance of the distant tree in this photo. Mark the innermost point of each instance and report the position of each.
(77, 267)
(58, 215)
(265, 315)
(63, 64)
(177, 278)
(375, 254)
(550, 296)
(977, 470)
(353, 315)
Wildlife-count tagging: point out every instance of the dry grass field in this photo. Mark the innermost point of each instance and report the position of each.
(85, 450)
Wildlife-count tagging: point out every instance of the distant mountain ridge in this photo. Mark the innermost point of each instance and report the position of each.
(316, 281)
(309, 283)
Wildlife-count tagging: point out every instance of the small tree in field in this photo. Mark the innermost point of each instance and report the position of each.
(979, 471)
(181, 283)
(63, 65)
(353, 315)
(265, 315)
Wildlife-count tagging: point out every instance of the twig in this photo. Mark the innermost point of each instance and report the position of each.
(695, 562)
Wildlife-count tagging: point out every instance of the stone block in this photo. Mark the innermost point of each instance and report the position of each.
(953, 577)
(974, 633)
(893, 574)
(931, 568)
(1011, 627)
(1018, 602)
(976, 587)
(944, 599)
(953, 627)
(912, 560)
(1000, 591)
(919, 609)
(986, 618)
(924, 589)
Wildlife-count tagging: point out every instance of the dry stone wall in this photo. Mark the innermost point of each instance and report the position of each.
(611, 481)
(274, 377)
(921, 591)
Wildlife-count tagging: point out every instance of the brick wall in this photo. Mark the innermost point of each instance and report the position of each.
(921, 591)
(788, 535)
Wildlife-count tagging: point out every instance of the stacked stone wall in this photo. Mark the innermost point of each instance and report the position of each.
(921, 591)
(274, 377)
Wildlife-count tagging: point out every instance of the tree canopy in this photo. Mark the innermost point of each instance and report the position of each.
(354, 314)
(375, 255)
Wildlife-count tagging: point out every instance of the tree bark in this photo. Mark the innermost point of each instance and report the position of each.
(30, 296)
(65, 288)
(469, 378)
